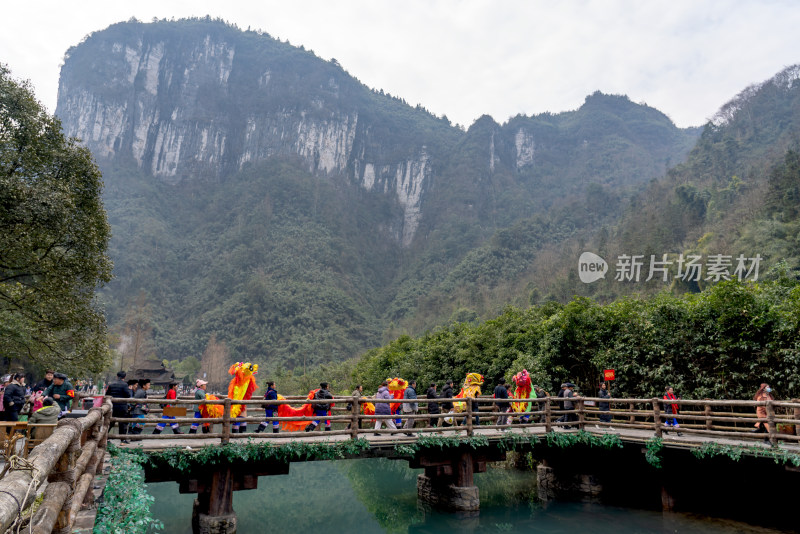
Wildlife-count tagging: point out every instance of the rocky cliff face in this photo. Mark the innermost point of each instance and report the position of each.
(201, 107)
(199, 100)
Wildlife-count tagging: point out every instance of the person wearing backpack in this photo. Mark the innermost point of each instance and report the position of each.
(433, 407)
(410, 408)
(501, 392)
(382, 408)
(447, 406)
(321, 409)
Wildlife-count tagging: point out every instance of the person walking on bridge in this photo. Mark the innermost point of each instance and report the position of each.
(447, 406)
(410, 408)
(199, 395)
(172, 394)
(501, 392)
(433, 407)
(671, 409)
(270, 409)
(604, 407)
(119, 389)
(382, 408)
(321, 409)
(569, 394)
(764, 393)
(140, 410)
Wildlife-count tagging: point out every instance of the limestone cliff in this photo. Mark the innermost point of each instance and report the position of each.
(203, 105)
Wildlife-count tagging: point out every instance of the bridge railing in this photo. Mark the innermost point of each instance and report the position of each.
(721, 418)
(68, 460)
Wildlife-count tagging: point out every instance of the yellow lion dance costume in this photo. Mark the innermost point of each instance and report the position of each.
(471, 388)
(241, 387)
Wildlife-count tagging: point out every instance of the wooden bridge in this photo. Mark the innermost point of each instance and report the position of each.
(70, 457)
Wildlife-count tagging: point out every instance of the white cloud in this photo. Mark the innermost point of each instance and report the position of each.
(465, 58)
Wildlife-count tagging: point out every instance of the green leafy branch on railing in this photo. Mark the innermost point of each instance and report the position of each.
(510, 442)
(652, 454)
(440, 442)
(735, 452)
(187, 459)
(559, 439)
(126, 503)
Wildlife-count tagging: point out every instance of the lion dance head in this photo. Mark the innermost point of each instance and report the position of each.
(523, 379)
(470, 388)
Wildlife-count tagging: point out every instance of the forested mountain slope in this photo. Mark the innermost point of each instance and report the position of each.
(265, 197)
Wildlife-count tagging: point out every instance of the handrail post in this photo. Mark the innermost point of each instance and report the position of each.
(796, 410)
(657, 417)
(773, 440)
(226, 422)
(64, 471)
(632, 408)
(707, 413)
(469, 416)
(548, 426)
(581, 415)
(355, 421)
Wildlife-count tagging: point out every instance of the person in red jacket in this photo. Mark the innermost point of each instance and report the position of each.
(172, 394)
(671, 409)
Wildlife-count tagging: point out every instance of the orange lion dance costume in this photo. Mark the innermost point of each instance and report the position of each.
(397, 386)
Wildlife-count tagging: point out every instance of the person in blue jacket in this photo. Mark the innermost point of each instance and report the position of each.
(270, 409)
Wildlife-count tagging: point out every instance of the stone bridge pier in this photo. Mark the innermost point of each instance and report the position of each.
(448, 483)
(213, 511)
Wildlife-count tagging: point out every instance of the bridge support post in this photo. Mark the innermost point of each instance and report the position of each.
(667, 499)
(213, 509)
(448, 480)
(554, 483)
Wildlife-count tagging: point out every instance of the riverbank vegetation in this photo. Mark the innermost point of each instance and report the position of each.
(720, 343)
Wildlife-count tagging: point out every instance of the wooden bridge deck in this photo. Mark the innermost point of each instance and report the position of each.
(702, 421)
(627, 435)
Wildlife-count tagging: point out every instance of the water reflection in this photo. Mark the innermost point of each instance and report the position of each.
(380, 496)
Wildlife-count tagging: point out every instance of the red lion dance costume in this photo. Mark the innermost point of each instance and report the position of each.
(523, 391)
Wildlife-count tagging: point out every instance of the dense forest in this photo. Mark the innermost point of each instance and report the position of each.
(720, 343)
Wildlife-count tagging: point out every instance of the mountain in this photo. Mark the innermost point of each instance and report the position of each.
(262, 195)
(735, 195)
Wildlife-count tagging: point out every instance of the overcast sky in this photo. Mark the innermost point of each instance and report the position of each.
(466, 58)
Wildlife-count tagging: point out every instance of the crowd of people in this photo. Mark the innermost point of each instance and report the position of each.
(22, 400)
(51, 397)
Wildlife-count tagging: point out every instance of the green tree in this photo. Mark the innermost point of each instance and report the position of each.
(53, 239)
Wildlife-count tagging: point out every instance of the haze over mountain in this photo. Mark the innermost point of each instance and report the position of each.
(266, 197)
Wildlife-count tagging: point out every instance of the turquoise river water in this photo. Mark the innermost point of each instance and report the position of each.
(380, 496)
